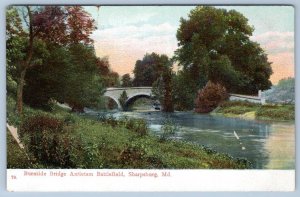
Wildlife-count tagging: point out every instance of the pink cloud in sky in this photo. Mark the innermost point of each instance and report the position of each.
(125, 45)
(280, 49)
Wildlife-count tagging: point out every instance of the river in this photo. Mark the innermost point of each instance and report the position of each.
(267, 145)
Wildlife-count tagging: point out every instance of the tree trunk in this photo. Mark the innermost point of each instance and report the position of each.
(20, 92)
(25, 65)
(167, 100)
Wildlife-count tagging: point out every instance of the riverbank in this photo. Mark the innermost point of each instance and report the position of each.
(251, 111)
(88, 143)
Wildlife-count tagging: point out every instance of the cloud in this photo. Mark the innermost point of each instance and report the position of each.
(283, 66)
(124, 45)
(276, 42)
(280, 49)
(134, 31)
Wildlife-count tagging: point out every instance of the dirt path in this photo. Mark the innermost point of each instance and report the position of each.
(14, 131)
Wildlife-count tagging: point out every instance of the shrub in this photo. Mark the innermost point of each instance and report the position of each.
(109, 120)
(48, 141)
(168, 128)
(285, 112)
(138, 126)
(123, 98)
(138, 154)
(209, 97)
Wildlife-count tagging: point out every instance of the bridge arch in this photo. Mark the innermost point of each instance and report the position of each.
(133, 93)
(133, 98)
(115, 100)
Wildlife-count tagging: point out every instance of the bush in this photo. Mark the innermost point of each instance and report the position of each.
(109, 120)
(209, 97)
(123, 98)
(169, 128)
(47, 140)
(138, 126)
(284, 112)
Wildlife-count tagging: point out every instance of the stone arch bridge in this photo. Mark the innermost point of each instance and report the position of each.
(133, 94)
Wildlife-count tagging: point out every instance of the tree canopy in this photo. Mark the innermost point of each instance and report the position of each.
(215, 44)
(126, 80)
(146, 70)
(51, 57)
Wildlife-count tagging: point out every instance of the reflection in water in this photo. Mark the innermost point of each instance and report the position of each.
(281, 147)
(266, 145)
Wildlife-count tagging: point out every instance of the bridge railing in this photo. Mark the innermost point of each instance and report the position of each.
(127, 88)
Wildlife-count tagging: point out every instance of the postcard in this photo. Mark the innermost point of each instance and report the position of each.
(150, 98)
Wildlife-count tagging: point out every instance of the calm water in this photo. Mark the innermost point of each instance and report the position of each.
(268, 145)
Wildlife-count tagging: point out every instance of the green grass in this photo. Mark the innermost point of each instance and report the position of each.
(16, 157)
(263, 112)
(279, 112)
(102, 144)
(236, 107)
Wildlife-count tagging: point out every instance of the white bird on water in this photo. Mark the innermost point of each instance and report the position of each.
(235, 134)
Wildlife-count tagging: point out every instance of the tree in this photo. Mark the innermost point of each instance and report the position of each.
(109, 77)
(146, 70)
(15, 40)
(126, 80)
(48, 24)
(283, 92)
(184, 92)
(123, 98)
(209, 97)
(215, 43)
(68, 75)
(162, 87)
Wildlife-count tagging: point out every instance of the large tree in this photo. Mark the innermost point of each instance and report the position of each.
(46, 24)
(162, 87)
(215, 44)
(126, 80)
(146, 70)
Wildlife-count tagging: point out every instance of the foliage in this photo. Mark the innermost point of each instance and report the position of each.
(84, 86)
(162, 86)
(283, 92)
(138, 126)
(29, 38)
(270, 112)
(16, 157)
(63, 24)
(185, 90)
(266, 112)
(109, 77)
(215, 43)
(126, 80)
(146, 71)
(209, 97)
(68, 75)
(169, 128)
(47, 140)
(123, 98)
(236, 107)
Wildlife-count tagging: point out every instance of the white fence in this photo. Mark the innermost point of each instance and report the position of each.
(253, 99)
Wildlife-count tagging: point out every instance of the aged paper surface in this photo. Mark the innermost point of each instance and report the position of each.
(150, 98)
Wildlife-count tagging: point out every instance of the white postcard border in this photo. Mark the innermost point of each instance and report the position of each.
(116, 180)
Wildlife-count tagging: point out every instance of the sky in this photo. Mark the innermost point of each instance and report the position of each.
(126, 33)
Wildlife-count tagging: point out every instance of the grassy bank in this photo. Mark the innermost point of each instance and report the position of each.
(81, 142)
(247, 110)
